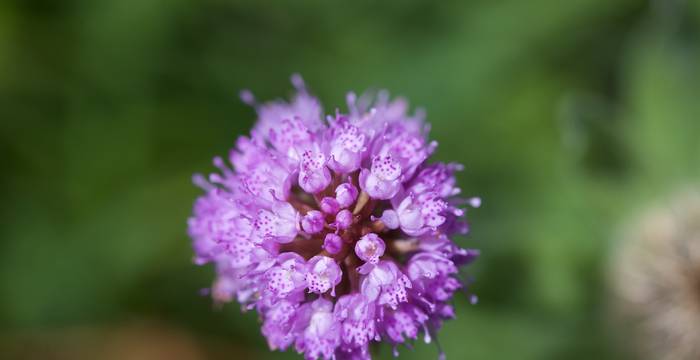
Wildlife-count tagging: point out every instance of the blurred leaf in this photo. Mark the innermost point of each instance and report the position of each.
(662, 82)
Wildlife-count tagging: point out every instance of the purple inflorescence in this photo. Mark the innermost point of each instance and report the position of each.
(335, 230)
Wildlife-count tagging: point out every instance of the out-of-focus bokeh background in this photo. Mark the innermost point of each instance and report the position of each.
(569, 116)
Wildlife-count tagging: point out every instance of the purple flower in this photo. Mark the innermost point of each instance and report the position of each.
(332, 243)
(289, 275)
(313, 222)
(277, 325)
(329, 205)
(386, 284)
(357, 316)
(343, 219)
(345, 194)
(318, 334)
(323, 274)
(279, 222)
(346, 147)
(370, 248)
(334, 228)
(383, 180)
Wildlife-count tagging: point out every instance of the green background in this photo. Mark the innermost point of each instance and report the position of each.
(568, 115)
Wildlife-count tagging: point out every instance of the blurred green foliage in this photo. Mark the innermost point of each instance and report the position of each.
(567, 114)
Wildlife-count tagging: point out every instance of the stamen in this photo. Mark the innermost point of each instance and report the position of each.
(247, 97)
(403, 246)
(377, 226)
(201, 181)
(475, 202)
(361, 202)
(441, 353)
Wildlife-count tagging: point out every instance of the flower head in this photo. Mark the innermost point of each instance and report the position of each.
(334, 229)
(656, 280)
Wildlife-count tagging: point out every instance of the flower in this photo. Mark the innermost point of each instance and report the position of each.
(335, 230)
(656, 280)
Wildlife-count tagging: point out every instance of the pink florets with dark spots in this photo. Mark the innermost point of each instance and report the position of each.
(334, 229)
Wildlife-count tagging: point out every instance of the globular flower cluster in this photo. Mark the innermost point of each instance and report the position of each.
(335, 229)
